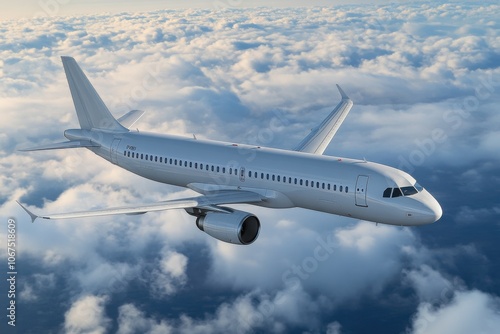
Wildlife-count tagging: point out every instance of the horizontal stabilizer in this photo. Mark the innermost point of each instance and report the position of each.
(62, 145)
(320, 137)
(208, 202)
(130, 118)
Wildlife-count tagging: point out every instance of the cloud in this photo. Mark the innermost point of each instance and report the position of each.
(262, 76)
(471, 311)
(313, 258)
(254, 311)
(132, 320)
(87, 315)
(430, 285)
(169, 275)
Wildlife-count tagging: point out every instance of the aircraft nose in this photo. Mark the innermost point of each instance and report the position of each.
(433, 209)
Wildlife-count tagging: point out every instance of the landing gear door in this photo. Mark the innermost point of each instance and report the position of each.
(361, 186)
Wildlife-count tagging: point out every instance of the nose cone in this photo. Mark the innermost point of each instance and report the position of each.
(436, 211)
(433, 210)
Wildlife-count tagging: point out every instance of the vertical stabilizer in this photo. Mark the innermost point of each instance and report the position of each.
(91, 110)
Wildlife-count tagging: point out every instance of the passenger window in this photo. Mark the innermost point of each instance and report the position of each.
(307, 183)
(156, 158)
(262, 176)
(267, 176)
(190, 165)
(300, 181)
(278, 178)
(317, 185)
(396, 192)
(142, 156)
(334, 187)
(328, 186)
(346, 189)
(323, 186)
(340, 188)
(218, 169)
(201, 166)
(295, 180)
(273, 177)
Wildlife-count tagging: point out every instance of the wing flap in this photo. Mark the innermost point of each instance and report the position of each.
(208, 202)
(320, 137)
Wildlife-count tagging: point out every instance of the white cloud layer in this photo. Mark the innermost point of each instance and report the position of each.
(469, 312)
(263, 76)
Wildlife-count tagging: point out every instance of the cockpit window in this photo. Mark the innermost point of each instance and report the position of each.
(396, 192)
(408, 191)
(403, 191)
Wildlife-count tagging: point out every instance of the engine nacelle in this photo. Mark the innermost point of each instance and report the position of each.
(237, 227)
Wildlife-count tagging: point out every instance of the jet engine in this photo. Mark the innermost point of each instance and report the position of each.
(236, 227)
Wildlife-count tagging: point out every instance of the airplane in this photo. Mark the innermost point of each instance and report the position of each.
(225, 173)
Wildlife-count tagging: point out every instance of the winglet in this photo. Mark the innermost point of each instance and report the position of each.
(319, 138)
(343, 94)
(32, 215)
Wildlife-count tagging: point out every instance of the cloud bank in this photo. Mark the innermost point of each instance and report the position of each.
(424, 79)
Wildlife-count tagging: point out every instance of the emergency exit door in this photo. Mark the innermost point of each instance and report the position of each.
(361, 186)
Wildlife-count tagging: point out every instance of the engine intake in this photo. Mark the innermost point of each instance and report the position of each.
(237, 227)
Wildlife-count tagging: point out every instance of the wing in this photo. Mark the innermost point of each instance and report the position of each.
(207, 202)
(317, 141)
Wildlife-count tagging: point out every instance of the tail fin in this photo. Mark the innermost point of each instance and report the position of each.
(90, 109)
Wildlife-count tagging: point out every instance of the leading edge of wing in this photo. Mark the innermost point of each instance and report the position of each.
(318, 139)
(208, 202)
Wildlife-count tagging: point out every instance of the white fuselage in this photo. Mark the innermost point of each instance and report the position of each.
(340, 186)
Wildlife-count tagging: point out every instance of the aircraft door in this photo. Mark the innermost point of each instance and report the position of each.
(360, 191)
(114, 150)
(242, 174)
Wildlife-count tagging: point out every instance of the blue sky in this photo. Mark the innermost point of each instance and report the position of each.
(424, 78)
